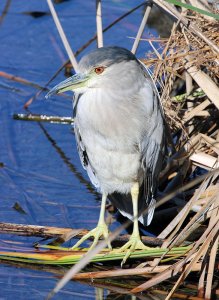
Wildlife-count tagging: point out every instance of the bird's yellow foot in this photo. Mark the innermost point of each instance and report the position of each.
(133, 244)
(100, 230)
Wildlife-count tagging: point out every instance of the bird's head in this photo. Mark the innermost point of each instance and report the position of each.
(107, 67)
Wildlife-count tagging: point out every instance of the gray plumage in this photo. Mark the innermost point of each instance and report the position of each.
(119, 129)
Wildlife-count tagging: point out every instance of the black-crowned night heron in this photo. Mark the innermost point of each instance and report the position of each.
(119, 129)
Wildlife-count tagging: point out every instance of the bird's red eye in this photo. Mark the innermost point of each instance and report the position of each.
(99, 70)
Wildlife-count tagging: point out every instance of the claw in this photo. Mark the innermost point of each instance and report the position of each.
(100, 230)
(133, 244)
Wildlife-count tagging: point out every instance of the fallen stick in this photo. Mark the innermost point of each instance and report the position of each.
(29, 83)
(128, 272)
(58, 232)
(22, 80)
(43, 118)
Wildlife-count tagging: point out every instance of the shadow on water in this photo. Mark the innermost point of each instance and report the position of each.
(42, 180)
(67, 161)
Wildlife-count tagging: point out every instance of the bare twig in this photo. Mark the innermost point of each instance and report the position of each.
(141, 28)
(21, 80)
(171, 10)
(204, 81)
(43, 118)
(63, 36)
(54, 232)
(5, 10)
(127, 272)
(99, 24)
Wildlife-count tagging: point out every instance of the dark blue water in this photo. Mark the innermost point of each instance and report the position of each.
(42, 172)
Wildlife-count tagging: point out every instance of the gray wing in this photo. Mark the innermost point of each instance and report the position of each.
(151, 164)
(82, 149)
(152, 149)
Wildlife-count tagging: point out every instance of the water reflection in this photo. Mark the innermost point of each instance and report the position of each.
(40, 172)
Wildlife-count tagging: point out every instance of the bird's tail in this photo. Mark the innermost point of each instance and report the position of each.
(148, 216)
(124, 204)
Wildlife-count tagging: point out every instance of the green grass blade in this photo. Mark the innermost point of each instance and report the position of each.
(188, 6)
(70, 257)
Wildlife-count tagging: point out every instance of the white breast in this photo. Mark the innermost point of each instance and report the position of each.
(111, 131)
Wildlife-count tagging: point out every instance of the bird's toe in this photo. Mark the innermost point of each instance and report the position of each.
(96, 233)
(133, 244)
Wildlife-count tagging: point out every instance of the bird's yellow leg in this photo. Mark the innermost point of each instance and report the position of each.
(100, 230)
(134, 242)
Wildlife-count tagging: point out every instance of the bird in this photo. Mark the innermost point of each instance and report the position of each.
(119, 127)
